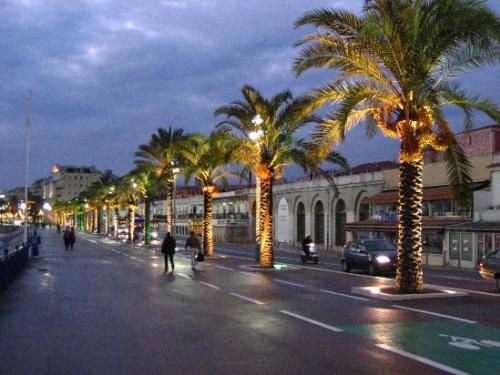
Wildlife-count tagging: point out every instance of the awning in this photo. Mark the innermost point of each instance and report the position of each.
(373, 225)
(478, 226)
(430, 194)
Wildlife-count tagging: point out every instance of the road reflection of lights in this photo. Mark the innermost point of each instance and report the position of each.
(374, 290)
(156, 265)
(450, 291)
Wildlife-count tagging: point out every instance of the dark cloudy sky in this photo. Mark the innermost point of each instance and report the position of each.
(106, 73)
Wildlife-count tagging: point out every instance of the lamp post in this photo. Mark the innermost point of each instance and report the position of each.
(27, 123)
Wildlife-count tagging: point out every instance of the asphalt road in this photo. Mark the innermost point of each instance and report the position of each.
(108, 308)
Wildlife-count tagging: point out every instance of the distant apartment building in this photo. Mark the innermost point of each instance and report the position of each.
(69, 181)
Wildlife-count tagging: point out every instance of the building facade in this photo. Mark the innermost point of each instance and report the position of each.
(67, 182)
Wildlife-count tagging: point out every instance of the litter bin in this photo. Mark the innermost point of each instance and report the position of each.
(34, 250)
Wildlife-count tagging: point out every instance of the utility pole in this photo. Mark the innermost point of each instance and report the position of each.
(27, 124)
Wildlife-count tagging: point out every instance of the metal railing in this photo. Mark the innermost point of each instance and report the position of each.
(13, 257)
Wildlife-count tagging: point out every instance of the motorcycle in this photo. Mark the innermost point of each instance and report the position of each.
(312, 256)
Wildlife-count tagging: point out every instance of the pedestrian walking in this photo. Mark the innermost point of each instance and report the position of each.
(66, 238)
(168, 251)
(194, 245)
(72, 237)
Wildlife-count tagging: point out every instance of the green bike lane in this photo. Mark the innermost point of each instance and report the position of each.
(446, 344)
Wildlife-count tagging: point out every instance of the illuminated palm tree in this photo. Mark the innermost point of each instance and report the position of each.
(206, 164)
(267, 146)
(394, 66)
(161, 156)
(147, 183)
(126, 195)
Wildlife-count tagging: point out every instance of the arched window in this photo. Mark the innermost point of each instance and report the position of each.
(340, 219)
(319, 223)
(301, 221)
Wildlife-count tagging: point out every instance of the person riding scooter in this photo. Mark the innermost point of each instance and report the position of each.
(308, 249)
(306, 243)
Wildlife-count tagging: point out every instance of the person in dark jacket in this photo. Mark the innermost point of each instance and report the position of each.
(72, 237)
(305, 245)
(168, 250)
(66, 238)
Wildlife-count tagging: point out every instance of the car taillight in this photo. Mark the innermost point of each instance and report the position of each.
(482, 265)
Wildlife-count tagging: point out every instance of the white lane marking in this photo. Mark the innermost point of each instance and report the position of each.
(224, 268)
(210, 285)
(250, 274)
(125, 255)
(289, 283)
(345, 295)
(436, 314)
(463, 290)
(133, 257)
(312, 321)
(417, 358)
(183, 275)
(141, 260)
(248, 299)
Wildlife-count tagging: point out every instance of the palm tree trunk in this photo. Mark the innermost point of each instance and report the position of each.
(208, 242)
(99, 221)
(130, 222)
(106, 223)
(170, 206)
(266, 244)
(258, 221)
(116, 222)
(409, 276)
(147, 220)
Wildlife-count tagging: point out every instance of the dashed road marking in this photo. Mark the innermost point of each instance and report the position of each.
(257, 302)
(250, 274)
(312, 321)
(183, 275)
(345, 295)
(417, 358)
(289, 283)
(224, 268)
(210, 285)
(435, 314)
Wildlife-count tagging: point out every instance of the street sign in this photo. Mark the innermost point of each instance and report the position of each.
(472, 348)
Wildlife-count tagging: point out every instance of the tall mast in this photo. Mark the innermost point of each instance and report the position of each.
(27, 124)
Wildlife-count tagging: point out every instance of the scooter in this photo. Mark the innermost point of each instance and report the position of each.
(313, 254)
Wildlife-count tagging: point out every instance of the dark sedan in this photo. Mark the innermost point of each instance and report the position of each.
(375, 255)
(489, 268)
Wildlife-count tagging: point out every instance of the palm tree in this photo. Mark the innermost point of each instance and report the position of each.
(161, 156)
(268, 126)
(126, 195)
(206, 165)
(146, 186)
(395, 65)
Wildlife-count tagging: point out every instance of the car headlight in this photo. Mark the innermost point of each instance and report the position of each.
(382, 259)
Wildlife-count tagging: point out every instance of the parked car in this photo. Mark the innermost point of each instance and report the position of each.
(489, 268)
(375, 255)
(122, 231)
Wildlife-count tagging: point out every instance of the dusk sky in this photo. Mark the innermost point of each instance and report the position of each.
(106, 73)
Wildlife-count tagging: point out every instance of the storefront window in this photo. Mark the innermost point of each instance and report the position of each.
(497, 241)
(467, 246)
(319, 223)
(301, 222)
(432, 243)
(454, 245)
